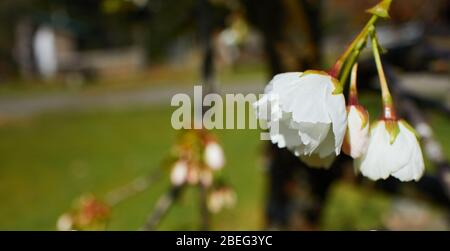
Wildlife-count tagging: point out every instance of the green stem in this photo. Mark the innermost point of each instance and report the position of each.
(389, 113)
(351, 55)
(353, 92)
(361, 36)
(387, 98)
(348, 66)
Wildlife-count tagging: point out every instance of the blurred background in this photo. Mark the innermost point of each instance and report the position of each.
(85, 90)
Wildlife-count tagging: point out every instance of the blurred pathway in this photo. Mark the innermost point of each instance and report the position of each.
(434, 86)
(20, 107)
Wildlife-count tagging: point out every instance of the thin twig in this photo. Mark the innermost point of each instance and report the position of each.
(204, 213)
(162, 207)
(136, 186)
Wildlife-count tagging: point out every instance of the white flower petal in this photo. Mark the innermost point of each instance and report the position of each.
(357, 136)
(179, 173)
(415, 167)
(306, 112)
(283, 80)
(378, 163)
(65, 222)
(305, 99)
(327, 147)
(262, 107)
(312, 135)
(268, 107)
(338, 114)
(214, 156)
(383, 159)
(284, 136)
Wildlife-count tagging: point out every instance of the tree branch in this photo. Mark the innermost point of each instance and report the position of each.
(162, 207)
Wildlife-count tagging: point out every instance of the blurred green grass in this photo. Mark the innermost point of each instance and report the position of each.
(48, 160)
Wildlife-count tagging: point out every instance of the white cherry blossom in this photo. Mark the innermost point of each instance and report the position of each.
(401, 158)
(304, 114)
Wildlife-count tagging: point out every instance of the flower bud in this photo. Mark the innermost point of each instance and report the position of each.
(179, 173)
(214, 156)
(357, 135)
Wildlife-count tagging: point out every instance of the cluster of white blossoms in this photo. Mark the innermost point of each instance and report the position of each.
(198, 155)
(198, 160)
(306, 115)
(221, 197)
(88, 213)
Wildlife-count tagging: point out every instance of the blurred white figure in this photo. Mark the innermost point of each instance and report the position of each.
(44, 46)
(230, 40)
